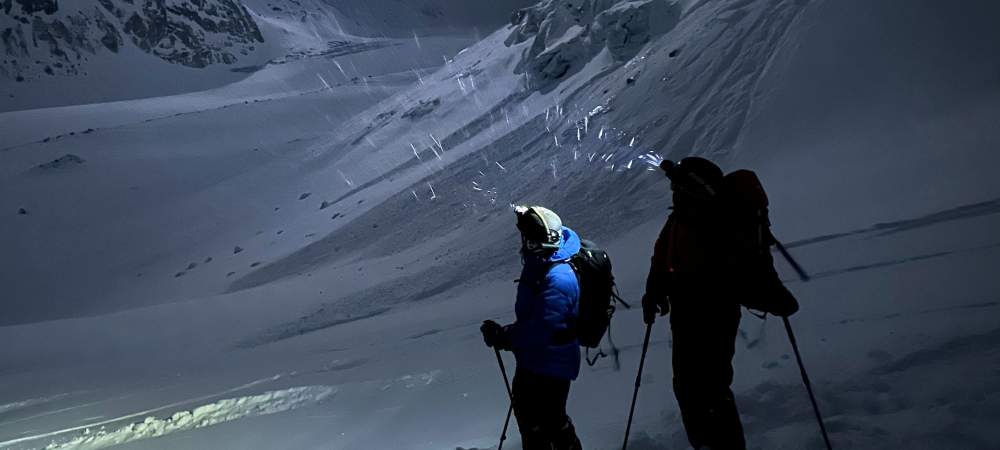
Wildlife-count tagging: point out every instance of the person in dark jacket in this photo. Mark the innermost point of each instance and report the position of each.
(698, 274)
(548, 357)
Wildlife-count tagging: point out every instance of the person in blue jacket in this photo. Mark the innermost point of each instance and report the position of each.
(542, 337)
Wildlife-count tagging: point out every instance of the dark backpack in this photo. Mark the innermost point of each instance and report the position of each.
(750, 241)
(597, 293)
(746, 205)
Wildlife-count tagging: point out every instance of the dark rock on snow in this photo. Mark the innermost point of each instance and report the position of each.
(65, 161)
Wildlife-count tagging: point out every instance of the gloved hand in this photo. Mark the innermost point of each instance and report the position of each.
(494, 335)
(652, 305)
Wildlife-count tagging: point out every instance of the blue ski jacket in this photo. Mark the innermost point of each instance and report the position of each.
(548, 297)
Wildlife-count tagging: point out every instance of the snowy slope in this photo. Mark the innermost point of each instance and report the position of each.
(374, 232)
(396, 18)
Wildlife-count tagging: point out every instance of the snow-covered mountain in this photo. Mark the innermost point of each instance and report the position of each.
(300, 256)
(60, 52)
(49, 37)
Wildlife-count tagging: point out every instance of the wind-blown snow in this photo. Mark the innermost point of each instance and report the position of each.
(222, 411)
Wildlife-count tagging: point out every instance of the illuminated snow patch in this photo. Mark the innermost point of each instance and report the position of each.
(222, 411)
(30, 402)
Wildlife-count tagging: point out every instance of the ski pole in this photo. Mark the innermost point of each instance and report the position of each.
(791, 261)
(795, 346)
(805, 380)
(503, 371)
(510, 394)
(638, 380)
(503, 434)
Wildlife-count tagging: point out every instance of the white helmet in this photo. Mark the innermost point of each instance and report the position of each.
(541, 229)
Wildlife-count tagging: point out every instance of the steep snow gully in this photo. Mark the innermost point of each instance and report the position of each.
(297, 254)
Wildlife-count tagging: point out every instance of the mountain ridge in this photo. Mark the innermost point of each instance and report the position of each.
(42, 38)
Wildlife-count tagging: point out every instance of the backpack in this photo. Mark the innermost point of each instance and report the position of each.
(597, 294)
(750, 241)
(746, 205)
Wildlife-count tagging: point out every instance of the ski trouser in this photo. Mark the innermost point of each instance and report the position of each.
(704, 341)
(540, 409)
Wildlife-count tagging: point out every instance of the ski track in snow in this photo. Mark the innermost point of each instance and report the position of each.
(969, 211)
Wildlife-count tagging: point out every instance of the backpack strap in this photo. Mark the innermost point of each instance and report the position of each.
(617, 298)
(600, 353)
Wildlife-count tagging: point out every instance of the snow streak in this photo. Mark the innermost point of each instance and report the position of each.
(346, 180)
(222, 411)
(324, 81)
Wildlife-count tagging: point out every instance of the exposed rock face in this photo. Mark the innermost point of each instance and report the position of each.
(33, 6)
(567, 35)
(159, 28)
(49, 37)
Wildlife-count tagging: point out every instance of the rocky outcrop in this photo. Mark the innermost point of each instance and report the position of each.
(66, 161)
(49, 37)
(34, 6)
(177, 32)
(565, 35)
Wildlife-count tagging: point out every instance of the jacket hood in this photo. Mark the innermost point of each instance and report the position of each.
(569, 245)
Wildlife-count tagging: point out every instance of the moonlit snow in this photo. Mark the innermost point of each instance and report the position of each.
(298, 254)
